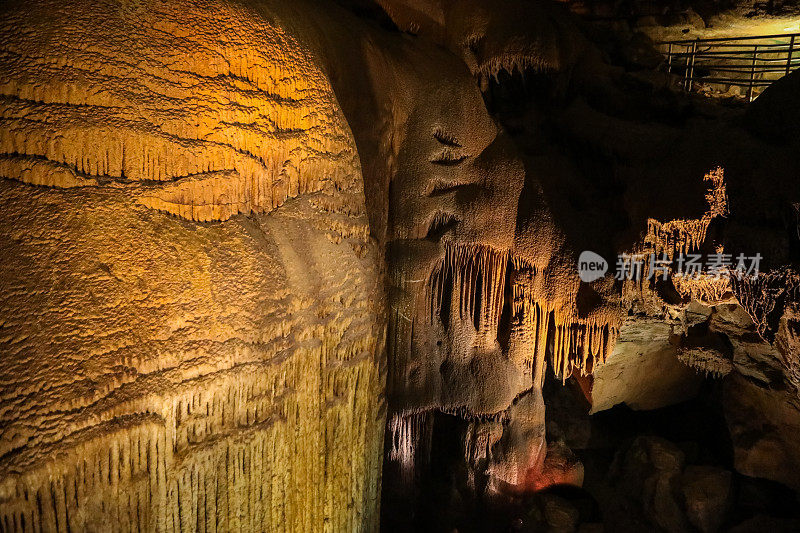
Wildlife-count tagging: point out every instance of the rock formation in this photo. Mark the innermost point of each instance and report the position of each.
(169, 364)
(309, 266)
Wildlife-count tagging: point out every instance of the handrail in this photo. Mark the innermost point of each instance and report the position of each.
(716, 61)
(745, 38)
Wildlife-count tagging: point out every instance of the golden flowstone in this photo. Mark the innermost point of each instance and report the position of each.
(160, 374)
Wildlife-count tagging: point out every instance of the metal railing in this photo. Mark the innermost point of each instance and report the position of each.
(752, 63)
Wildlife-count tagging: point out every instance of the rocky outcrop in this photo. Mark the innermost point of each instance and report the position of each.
(646, 348)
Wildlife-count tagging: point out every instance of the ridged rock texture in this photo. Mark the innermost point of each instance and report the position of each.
(192, 321)
(228, 114)
(213, 209)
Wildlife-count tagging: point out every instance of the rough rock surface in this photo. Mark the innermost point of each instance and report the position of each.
(764, 425)
(645, 348)
(707, 494)
(160, 373)
(650, 472)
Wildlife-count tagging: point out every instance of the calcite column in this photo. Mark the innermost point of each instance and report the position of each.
(191, 304)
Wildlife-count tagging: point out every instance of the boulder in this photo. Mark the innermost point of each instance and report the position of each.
(764, 425)
(560, 514)
(650, 472)
(707, 494)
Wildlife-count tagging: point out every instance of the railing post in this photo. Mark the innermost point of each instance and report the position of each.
(789, 55)
(752, 74)
(691, 68)
(669, 60)
(686, 68)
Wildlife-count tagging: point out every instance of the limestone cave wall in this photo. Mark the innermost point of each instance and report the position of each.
(316, 266)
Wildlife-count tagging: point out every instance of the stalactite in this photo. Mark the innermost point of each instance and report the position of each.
(509, 62)
(684, 236)
(478, 276)
(709, 362)
(410, 442)
(765, 296)
(554, 328)
(710, 289)
(772, 299)
(230, 455)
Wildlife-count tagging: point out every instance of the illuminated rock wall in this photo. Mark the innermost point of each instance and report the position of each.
(199, 115)
(198, 197)
(208, 371)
